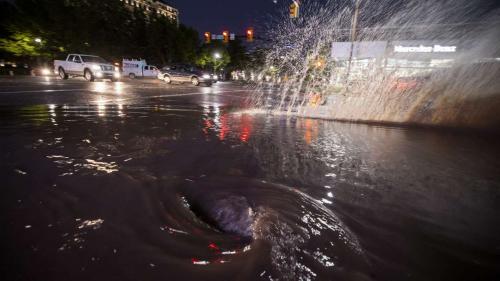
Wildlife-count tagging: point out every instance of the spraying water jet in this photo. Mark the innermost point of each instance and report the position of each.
(418, 62)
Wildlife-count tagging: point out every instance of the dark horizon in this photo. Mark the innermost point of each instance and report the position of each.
(237, 16)
(224, 14)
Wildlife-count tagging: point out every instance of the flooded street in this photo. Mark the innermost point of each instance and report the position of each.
(107, 181)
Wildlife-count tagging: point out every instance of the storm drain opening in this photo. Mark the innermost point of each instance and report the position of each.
(231, 215)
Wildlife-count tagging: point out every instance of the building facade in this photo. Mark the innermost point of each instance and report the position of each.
(401, 58)
(158, 7)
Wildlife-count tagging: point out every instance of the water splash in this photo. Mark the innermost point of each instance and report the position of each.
(307, 76)
(261, 221)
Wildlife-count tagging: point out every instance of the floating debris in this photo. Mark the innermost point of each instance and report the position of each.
(199, 262)
(229, 253)
(326, 201)
(101, 166)
(172, 230)
(93, 224)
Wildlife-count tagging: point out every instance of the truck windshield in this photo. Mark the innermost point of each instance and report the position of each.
(93, 59)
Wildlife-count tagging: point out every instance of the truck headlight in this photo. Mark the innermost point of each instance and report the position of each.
(206, 76)
(45, 71)
(117, 69)
(96, 67)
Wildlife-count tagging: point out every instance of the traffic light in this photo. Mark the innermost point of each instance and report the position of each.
(208, 37)
(320, 63)
(294, 10)
(250, 34)
(225, 34)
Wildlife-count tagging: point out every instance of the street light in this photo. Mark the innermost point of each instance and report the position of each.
(216, 57)
(38, 61)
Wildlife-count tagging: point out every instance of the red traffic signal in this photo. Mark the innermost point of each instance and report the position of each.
(250, 34)
(208, 37)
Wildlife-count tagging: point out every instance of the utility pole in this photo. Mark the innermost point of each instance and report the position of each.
(354, 35)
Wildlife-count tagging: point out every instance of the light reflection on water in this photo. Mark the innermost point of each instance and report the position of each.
(404, 200)
(100, 87)
(101, 107)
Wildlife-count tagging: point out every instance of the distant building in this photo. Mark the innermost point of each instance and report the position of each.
(155, 6)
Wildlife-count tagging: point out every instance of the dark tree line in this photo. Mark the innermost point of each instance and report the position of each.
(106, 28)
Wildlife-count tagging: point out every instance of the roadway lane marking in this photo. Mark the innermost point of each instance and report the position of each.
(43, 91)
(179, 95)
(172, 95)
(148, 97)
(220, 93)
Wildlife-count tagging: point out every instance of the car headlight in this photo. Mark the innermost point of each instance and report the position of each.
(117, 69)
(206, 76)
(96, 67)
(45, 71)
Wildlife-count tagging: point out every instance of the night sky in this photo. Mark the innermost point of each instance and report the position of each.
(236, 15)
(233, 15)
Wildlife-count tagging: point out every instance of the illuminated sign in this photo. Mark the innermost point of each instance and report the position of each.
(425, 49)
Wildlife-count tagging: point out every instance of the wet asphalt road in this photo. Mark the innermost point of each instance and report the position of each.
(52, 90)
(99, 178)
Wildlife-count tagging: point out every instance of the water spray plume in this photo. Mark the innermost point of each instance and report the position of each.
(405, 62)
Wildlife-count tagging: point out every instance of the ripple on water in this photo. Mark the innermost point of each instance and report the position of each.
(73, 166)
(285, 221)
(77, 239)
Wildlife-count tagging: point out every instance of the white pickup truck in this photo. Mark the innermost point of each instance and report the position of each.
(89, 67)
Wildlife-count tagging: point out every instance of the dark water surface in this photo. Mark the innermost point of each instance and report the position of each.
(191, 192)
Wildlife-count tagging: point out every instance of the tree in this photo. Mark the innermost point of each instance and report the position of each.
(21, 44)
(207, 56)
(106, 28)
(188, 44)
(239, 57)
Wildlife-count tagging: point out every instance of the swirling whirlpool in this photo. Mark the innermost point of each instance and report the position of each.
(271, 230)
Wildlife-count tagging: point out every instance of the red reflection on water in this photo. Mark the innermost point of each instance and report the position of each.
(213, 246)
(223, 127)
(246, 127)
(224, 124)
(208, 124)
(310, 130)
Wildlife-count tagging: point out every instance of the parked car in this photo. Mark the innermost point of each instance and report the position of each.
(139, 68)
(12, 68)
(87, 66)
(185, 74)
